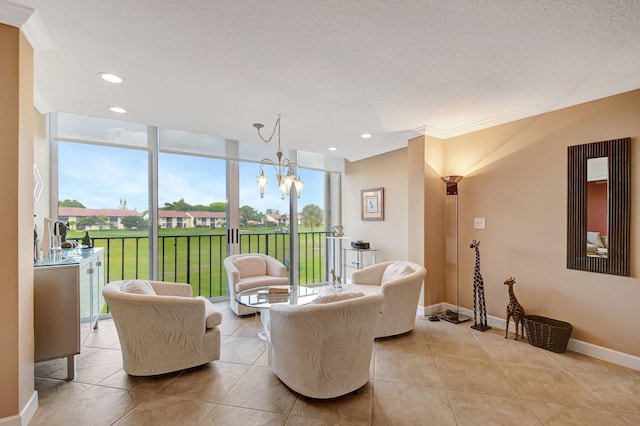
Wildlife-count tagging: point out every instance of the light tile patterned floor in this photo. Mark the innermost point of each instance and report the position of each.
(439, 374)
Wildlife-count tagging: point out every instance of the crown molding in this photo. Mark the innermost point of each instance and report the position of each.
(567, 101)
(36, 33)
(13, 14)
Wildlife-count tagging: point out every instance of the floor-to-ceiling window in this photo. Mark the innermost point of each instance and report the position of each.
(103, 189)
(163, 202)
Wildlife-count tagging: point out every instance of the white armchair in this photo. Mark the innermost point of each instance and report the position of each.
(246, 271)
(161, 327)
(400, 282)
(323, 349)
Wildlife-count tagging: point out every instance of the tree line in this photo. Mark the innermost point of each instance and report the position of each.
(311, 216)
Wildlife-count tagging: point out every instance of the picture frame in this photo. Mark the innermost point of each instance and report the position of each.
(372, 204)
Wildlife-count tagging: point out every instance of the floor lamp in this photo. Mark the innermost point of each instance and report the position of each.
(450, 315)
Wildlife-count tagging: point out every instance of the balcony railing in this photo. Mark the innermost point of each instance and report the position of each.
(198, 259)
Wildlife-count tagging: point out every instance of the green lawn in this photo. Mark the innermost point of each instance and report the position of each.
(196, 255)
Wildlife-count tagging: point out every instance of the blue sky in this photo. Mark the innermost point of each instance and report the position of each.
(100, 176)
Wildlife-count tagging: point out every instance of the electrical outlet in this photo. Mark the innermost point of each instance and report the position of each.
(479, 223)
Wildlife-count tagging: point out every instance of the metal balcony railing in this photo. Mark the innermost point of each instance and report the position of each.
(198, 259)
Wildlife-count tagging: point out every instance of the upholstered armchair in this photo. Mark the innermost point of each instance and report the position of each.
(400, 282)
(161, 327)
(323, 349)
(246, 271)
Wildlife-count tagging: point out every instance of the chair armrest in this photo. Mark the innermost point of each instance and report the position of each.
(233, 274)
(213, 317)
(275, 268)
(164, 288)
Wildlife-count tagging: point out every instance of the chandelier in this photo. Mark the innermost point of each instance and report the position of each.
(283, 167)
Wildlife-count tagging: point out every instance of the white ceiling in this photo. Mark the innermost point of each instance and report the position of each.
(333, 69)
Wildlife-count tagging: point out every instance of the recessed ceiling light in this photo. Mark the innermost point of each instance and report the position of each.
(118, 110)
(111, 78)
(333, 148)
(365, 135)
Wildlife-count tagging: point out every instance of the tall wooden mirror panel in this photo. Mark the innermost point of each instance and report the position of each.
(598, 208)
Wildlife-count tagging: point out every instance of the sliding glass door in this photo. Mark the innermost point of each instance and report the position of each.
(192, 222)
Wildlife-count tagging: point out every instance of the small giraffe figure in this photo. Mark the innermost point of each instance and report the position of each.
(514, 310)
(479, 318)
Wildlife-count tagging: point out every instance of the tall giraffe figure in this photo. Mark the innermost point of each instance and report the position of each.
(479, 318)
(514, 310)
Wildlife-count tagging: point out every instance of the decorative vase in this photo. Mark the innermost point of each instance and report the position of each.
(337, 231)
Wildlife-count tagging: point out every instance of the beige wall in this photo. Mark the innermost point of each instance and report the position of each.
(426, 224)
(390, 172)
(16, 182)
(515, 176)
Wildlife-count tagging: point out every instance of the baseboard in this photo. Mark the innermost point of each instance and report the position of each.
(25, 416)
(599, 352)
(605, 354)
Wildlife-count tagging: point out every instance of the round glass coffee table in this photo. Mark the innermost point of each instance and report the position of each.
(264, 297)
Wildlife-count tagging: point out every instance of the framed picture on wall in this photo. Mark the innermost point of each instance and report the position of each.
(372, 204)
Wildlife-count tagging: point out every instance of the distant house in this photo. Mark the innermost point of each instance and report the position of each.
(277, 219)
(172, 219)
(209, 219)
(280, 219)
(74, 215)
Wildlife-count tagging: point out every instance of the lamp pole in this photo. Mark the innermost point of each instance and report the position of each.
(448, 315)
(294, 269)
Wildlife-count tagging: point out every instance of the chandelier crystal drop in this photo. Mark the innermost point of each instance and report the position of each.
(284, 169)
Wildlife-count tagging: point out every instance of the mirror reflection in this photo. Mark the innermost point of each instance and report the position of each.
(597, 207)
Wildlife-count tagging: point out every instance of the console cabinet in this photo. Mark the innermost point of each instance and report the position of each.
(67, 303)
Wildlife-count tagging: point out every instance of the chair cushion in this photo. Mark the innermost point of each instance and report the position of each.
(394, 271)
(330, 298)
(251, 266)
(139, 287)
(260, 281)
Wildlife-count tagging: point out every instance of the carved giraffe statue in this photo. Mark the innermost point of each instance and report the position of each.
(479, 318)
(514, 310)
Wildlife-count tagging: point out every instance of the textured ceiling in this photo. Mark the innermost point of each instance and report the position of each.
(332, 69)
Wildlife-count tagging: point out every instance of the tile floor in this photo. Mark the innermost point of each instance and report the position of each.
(439, 374)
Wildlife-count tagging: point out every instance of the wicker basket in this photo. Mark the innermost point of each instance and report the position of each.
(547, 333)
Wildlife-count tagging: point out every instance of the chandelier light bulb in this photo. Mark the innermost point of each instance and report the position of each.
(262, 182)
(299, 185)
(288, 182)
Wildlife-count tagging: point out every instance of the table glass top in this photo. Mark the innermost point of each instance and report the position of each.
(263, 297)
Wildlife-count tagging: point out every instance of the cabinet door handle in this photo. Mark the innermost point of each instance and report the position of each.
(98, 263)
(89, 271)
